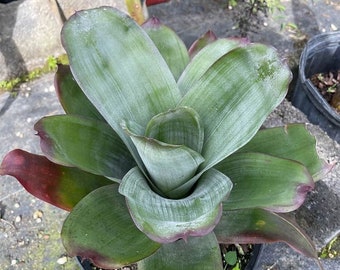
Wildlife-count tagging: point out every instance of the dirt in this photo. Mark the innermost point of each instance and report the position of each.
(328, 84)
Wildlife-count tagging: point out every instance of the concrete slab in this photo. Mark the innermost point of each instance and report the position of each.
(30, 31)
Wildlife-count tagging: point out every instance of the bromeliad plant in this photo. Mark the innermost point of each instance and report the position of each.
(159, 157)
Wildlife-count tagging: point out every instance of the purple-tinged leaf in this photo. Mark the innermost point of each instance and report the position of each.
(61, 186)
(200, 43)
(100, 228)
(71, 96)
(261, 226)
(84, 143)
(264, 181)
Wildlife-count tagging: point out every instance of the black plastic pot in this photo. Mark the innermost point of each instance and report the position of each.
(321, 54)
(86, 264)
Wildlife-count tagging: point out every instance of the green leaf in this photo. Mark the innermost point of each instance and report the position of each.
(166, 220)
(71, 96)
(180, 126)
(231, 257)
(240, 89)
(118, 67)
(204, 60)
(261, 226)
(84, 143)
(100, 228)
(169, 45)
(196, 253)
(200, 43)
(61, 186)
(169, 166)
(264, 181)
(296, 143)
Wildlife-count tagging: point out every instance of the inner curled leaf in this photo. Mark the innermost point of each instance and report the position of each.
(168, 165)
(166, 220)
(181, 126)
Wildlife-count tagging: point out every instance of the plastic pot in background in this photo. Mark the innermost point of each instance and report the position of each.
(321, 54)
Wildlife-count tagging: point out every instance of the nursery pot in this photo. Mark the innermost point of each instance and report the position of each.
(321, 54)
(86, 265)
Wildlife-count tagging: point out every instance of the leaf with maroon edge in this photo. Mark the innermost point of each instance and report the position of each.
(260, 226)
(200, 43)
(61, 186)
(87, 144)
(100, 228)
(265, 181)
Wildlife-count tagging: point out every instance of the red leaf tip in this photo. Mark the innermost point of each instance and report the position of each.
(155, 2)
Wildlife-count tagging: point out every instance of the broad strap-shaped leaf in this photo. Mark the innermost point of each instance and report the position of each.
(197, 253)
(169, 166)
(203, 60)
(61, 186)
(200, 43)
(71, 96)
(166, 220)
(264, 181)
(240, 89)
(180, 126)
(260, 226)
(293, 142)
(118, 67)
(88, 144)
(100, 228)
(171, 47)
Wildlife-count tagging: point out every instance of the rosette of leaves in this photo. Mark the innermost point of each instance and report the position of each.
(159, 157)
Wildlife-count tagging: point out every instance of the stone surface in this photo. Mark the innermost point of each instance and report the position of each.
(31, 243)
(68, 7)
(30, 31)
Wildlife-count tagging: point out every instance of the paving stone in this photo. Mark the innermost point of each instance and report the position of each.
(29, 33)
(68, 7)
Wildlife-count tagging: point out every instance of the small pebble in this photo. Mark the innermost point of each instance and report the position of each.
(37, 214)
(333, 27)
(14, 262)
(17, 205)
(19, 134)
(62, 260)
(17, 219)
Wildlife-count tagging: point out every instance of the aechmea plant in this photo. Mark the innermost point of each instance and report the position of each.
(160, 156)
